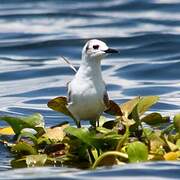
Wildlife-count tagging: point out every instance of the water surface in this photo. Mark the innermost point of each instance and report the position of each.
(34, 34)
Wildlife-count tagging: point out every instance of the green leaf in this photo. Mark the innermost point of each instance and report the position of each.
(135, 117)
(127, 122)
(34, 121)
(171, 145)
(84, 135)
(59, 104)
(103, 130)
(178, 143)
(155, 141)
(30, 161)
(168, 129)
(128, 106)
(43, 141)
(154, 119)
(104, 160)
(102, 120)
(123, 140)
(137, 152)
(146, 102)
(28, 135)
(176, 122)
(19, 163)
(36, 160)
(24, 148)
(92, 139)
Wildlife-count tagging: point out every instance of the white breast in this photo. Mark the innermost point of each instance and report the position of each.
(86, 99)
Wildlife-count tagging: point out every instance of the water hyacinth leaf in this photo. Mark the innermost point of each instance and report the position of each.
(135, 117)
(176, 122)
(137, 152)
(6, 131)
(55, 149)
(178, 154)
(111, 154)
(102, 120)
(113, 109)
(19, 163)
(128, 106)
(90, 138)
(155, 157)
(154, 119)
(59, 104)
(34, 121)
(36, 160)
(95, 153)
(171, 145)
(110, 137)
(56, 133)
(43, 141)
(178, 143)
(109, 124)
(168, 129)
(146, 102)
(84, 135)
(24, 148)
(128, 122)
(103, 130)
(27, 135)
(108, 161)
(123, 140)
(171, 156)
(155, 140)
(155, 146)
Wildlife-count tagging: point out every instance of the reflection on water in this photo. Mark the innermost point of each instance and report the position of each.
(34, 34)
(148, 171)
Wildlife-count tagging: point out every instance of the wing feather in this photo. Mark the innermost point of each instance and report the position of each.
(106, 100)
(69, 93)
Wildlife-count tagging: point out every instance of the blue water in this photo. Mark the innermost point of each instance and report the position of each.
(35, 33)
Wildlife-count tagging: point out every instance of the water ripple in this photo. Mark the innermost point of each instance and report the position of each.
(34, 34)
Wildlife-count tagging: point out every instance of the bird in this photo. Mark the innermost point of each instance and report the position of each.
(87, 94)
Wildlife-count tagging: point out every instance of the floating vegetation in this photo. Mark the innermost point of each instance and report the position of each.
(133, 136)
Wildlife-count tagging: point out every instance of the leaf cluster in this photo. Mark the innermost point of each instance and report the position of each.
(132, 136)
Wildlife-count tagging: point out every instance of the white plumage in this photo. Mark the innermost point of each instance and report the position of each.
(87, 96)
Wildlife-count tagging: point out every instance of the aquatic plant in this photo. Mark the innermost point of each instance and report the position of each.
(132, 136)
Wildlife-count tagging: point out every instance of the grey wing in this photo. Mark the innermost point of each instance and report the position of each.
(106, 98)
(69, 95)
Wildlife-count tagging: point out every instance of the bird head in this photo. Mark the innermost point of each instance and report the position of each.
(96, 49)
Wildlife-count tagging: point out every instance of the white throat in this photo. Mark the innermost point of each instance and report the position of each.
(90, 69)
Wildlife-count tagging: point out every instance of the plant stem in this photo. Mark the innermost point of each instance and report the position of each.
(109, 153)
(123, 140)
(91, 157)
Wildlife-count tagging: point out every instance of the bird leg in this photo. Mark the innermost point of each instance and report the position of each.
(93, 123)
(78, 123)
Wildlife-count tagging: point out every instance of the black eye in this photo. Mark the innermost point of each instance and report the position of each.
(95, 46)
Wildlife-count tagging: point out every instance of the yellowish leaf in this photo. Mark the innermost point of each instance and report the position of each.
(128, 106)
(56, 133)
(59, 104)
(6, 131)
(171, 156)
